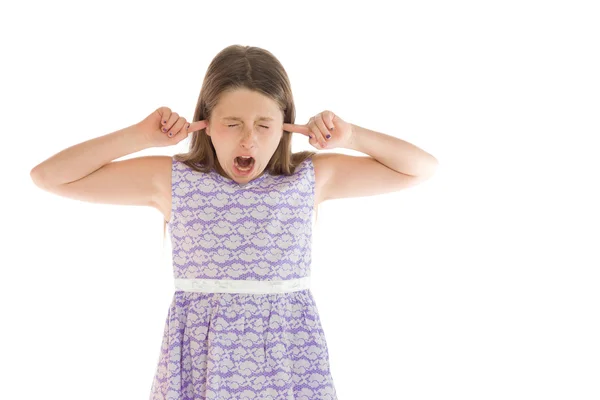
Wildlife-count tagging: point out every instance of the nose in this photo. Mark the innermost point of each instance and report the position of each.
(248, 138)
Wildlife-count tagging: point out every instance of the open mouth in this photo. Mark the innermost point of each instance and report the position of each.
(243, 165)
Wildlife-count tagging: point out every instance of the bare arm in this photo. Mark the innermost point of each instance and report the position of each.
(82, 159)
(87, 172)
(137, 181)
(141, 181)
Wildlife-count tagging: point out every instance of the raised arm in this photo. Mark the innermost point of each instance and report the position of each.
(87, 172)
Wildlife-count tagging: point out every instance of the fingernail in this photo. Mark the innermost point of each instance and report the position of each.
(328, 136)
(331, 128)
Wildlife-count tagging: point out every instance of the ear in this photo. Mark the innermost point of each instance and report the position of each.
(207, 129)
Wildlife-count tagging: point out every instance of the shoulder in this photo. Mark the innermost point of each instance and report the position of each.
(162, 182)
(320, 163)
(164, 166)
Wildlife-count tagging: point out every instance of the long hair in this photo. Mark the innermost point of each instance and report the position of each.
(236, 67)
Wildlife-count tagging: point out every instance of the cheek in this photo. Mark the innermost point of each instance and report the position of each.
(221, 136)
(218, 130)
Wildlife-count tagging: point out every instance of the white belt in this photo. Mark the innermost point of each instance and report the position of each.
(241, 285)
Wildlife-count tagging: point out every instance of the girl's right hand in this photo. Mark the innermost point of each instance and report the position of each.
(157, 126)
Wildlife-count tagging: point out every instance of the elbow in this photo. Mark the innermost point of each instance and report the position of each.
(36, 176)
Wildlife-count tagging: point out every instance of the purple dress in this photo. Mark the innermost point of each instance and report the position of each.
(242, 346)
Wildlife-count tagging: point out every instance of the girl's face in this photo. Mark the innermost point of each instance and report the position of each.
(245, 122)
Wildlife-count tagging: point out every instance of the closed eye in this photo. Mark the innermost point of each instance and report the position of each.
(230, 126)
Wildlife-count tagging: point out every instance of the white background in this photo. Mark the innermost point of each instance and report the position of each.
(481, 283)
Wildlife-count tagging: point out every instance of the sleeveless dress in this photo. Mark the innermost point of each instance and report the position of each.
(259, 346)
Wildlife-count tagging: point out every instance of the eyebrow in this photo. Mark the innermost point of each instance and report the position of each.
(258, 119)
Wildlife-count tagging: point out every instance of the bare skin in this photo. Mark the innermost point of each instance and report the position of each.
(87, 171)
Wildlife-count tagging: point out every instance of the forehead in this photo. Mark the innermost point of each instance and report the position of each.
(236, 118)
(243, 104)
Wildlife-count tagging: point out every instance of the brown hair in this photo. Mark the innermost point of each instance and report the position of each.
(236, 67)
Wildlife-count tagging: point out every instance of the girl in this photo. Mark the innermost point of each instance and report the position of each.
(242, 322)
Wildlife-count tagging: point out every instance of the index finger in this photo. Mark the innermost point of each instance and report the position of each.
(296, 128)
(197, 125)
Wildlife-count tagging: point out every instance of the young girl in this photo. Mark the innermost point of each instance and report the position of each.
(242, 322)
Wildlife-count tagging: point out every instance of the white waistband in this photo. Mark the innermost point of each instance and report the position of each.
(241, 285)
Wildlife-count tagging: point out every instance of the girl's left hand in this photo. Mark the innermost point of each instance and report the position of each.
(321, 125)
